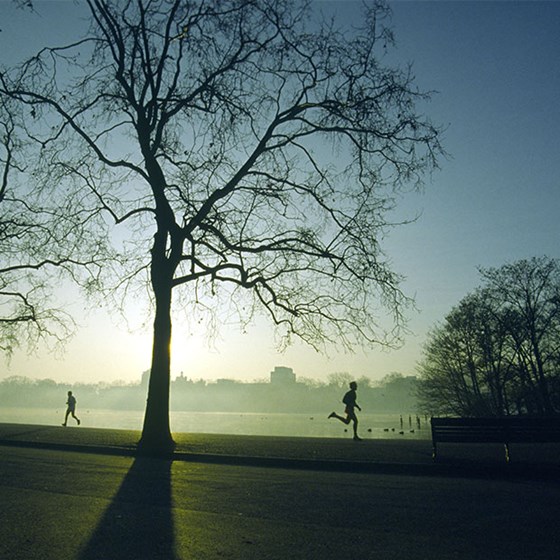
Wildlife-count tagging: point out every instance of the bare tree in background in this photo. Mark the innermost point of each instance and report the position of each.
(244, 149)
(498, 351)
(525, 297)
(32, 255)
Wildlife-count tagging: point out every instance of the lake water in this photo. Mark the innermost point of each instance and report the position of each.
(301, 425)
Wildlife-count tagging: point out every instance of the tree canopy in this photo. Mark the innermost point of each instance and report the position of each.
(238, 148)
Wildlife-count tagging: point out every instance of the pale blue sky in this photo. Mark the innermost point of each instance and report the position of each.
(496, 199)
(495, 66)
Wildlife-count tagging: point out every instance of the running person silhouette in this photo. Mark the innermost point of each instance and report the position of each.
(349, 400)
(71, 410)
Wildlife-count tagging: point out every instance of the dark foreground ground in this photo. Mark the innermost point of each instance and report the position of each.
(82, 494)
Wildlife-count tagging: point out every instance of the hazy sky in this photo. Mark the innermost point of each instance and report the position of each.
(495, 68)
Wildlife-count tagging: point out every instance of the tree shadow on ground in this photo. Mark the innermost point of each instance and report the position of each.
(138, 524)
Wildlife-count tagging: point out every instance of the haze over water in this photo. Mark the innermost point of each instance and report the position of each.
(372, 426)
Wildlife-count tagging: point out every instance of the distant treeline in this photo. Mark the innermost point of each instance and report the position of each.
(394, 394)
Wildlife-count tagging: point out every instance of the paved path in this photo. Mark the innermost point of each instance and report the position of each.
(93, 507)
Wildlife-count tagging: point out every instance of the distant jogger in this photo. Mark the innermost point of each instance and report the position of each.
(71, 410)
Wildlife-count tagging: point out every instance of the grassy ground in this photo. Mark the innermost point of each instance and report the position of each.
(373, 451)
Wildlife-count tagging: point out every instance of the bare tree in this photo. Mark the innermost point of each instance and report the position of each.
(38, 250)
(250, 150)
(525, 296)
(462, 369)
(498, 351)
(25, 316)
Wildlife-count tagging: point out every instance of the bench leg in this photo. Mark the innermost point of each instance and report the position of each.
(434, 451)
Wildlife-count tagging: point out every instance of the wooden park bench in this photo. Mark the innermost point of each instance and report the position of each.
(504, 430)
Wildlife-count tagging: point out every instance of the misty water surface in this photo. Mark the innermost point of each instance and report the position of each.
(276, 424)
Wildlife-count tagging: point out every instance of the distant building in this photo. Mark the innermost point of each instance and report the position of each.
(282, 376)
(145, 378)
(226, 382)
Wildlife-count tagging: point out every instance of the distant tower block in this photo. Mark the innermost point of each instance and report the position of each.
(282, 376)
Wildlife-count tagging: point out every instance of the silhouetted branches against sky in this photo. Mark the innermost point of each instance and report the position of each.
(262, 147)
(24, 312)
(33, 260)
(247, 150)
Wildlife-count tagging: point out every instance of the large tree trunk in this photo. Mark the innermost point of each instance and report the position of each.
(156, 434)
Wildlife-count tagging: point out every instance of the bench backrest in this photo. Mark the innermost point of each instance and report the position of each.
(510, 429)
